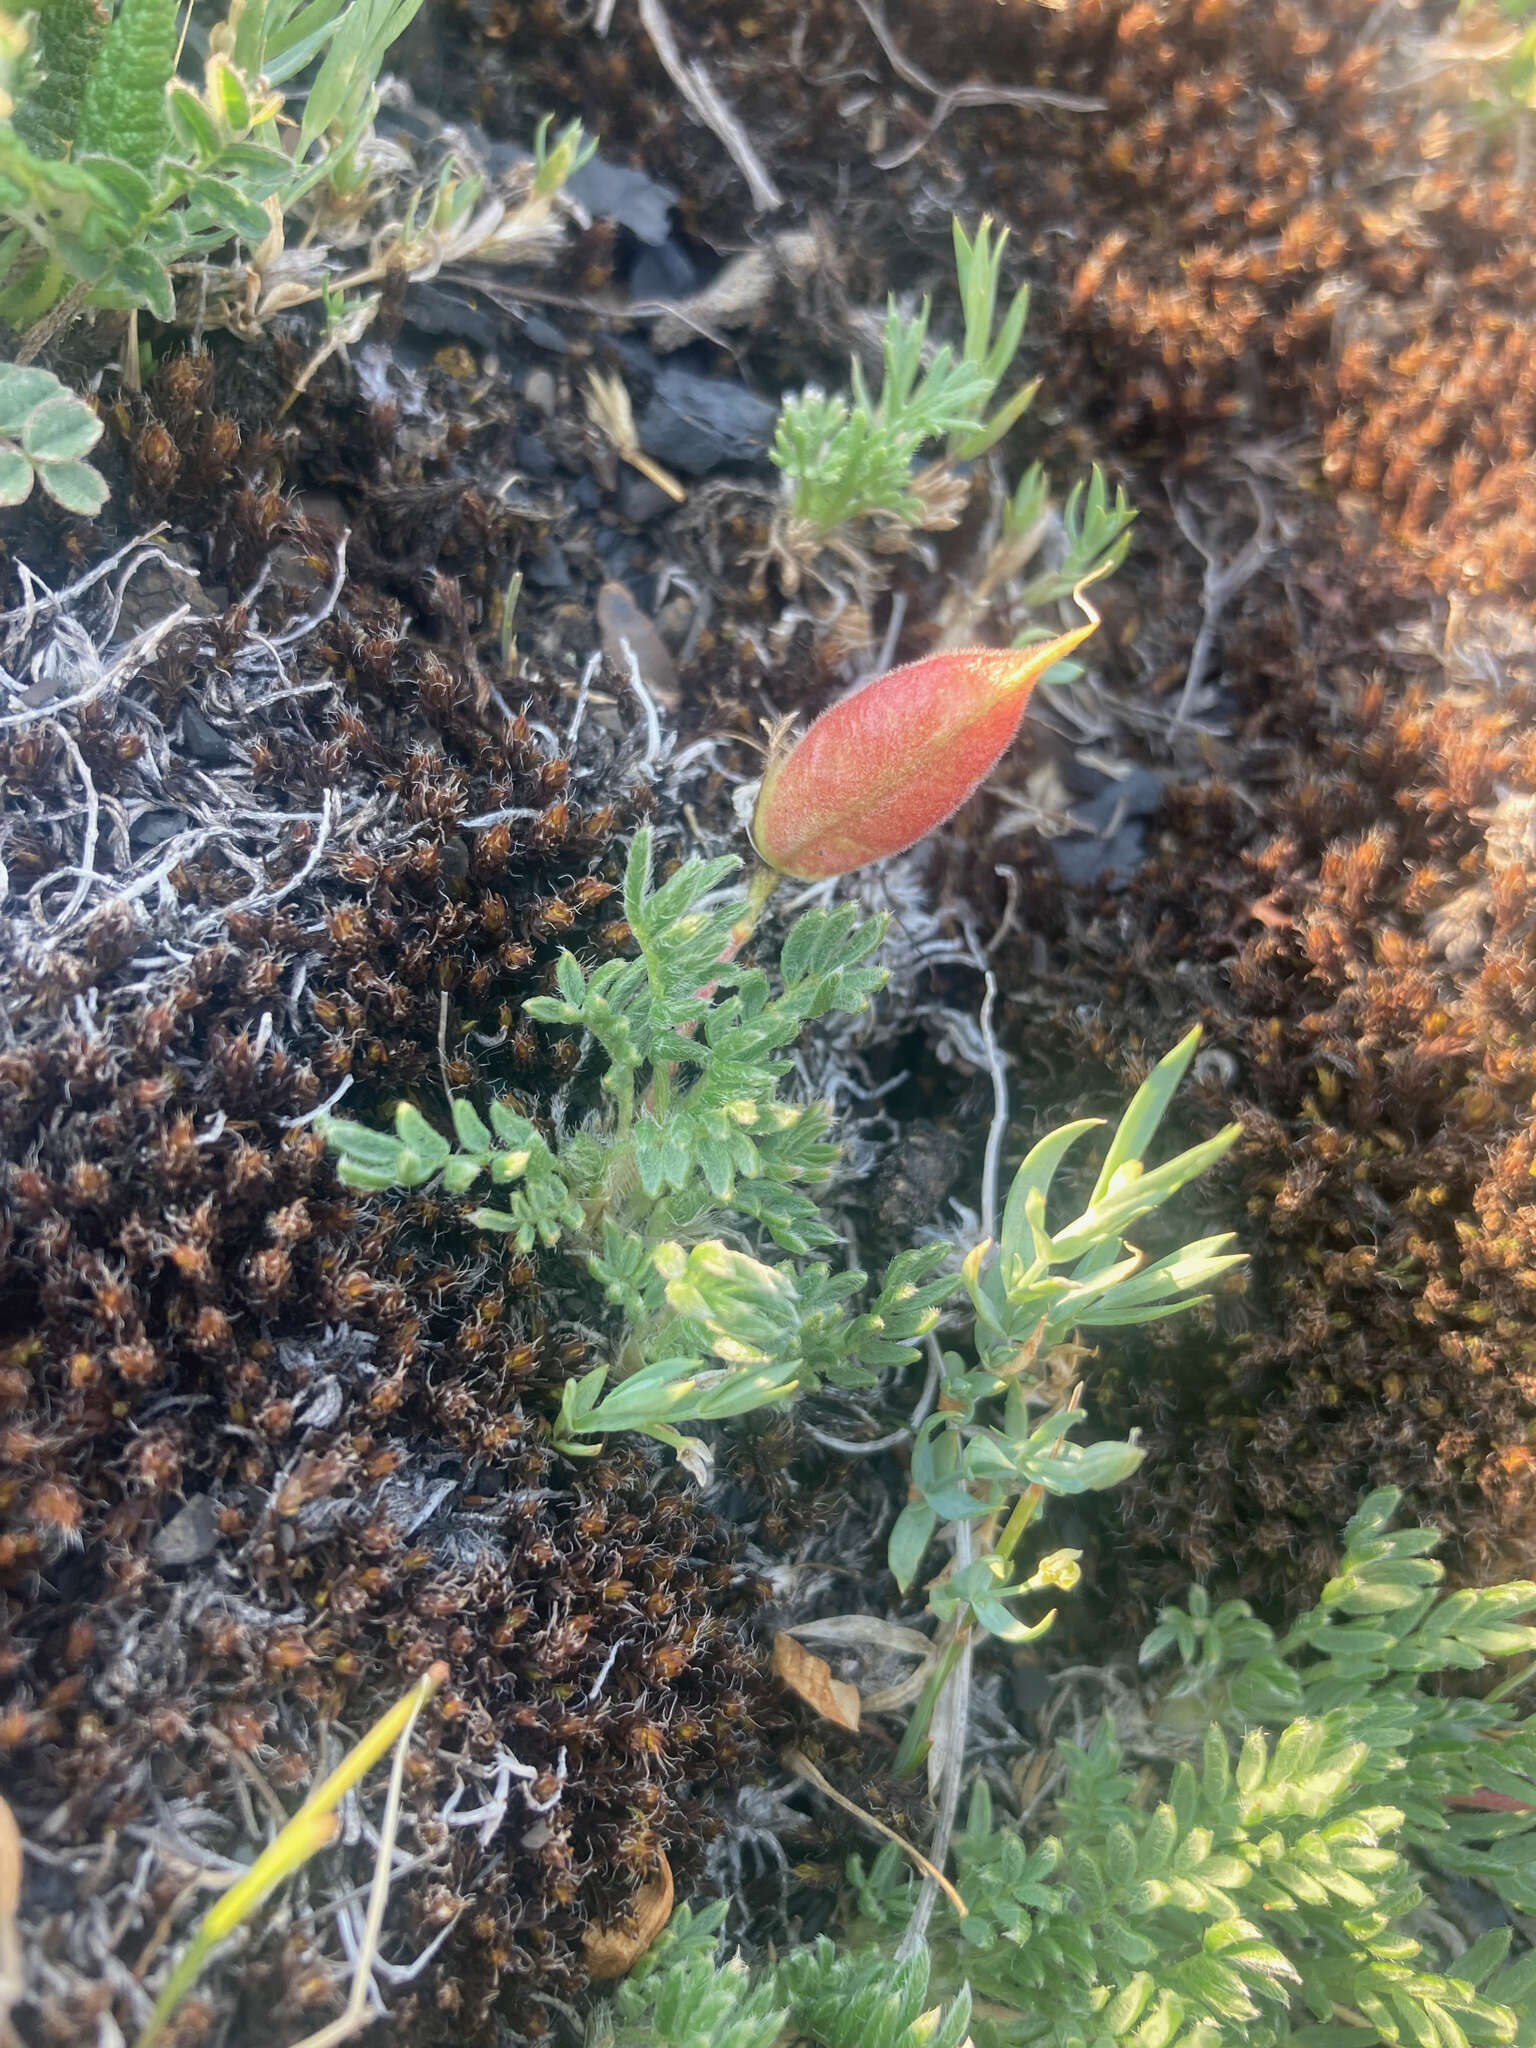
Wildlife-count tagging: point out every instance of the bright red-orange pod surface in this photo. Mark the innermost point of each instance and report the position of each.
(879, 770)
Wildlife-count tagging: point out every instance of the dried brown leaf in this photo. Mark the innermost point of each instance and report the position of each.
(809, 1678)
(613, 1951)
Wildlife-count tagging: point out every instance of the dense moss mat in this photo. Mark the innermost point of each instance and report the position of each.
(269, 1450)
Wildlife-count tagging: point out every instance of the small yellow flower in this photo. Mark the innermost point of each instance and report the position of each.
(1060, 1571)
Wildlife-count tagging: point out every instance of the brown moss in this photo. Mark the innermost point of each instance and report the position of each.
(266, 1450)
(1356, 933)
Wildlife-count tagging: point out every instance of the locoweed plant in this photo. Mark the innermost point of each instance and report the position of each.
(679, 1996)
(689, 1156)
(1267, 1892)
(1094, 539)
(1262, 1888)
(1000, 1442)
(851, 458)
(845, 457)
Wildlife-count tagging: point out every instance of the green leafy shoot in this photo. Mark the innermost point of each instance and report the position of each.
(45, 433)
(845, 457)
(1259, 1890)
(1262, 1891)
(1382, 1628)
(999, 1446)
(113, 171)
(978, 266)
(1096, 529)
(680, 1996)
(694, 1148)
(555, 166)
(343, 99)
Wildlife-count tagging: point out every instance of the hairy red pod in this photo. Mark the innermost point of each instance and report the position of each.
(879, 770)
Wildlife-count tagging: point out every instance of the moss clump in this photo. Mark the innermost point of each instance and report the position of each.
(269, 1451)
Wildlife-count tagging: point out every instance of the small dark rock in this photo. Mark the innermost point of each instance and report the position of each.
(533, 456)
(663, 271)
(189, 1536)
(1081, 860)
(541, 332)
(202, 741)
(431, 310)
(640, 499)
(695, 423)
(153, 828)
(641, 365)
(641, 204)
(548, 569)
(1137, 795)
(615, 550)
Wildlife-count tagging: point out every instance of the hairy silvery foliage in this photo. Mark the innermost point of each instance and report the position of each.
(45, 432)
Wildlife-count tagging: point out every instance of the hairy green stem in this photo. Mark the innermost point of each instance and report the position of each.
(761, 886)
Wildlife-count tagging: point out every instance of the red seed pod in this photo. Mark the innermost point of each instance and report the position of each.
(878, 771)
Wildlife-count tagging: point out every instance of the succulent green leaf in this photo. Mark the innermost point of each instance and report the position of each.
(913, 1532)
(1138, 1126)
